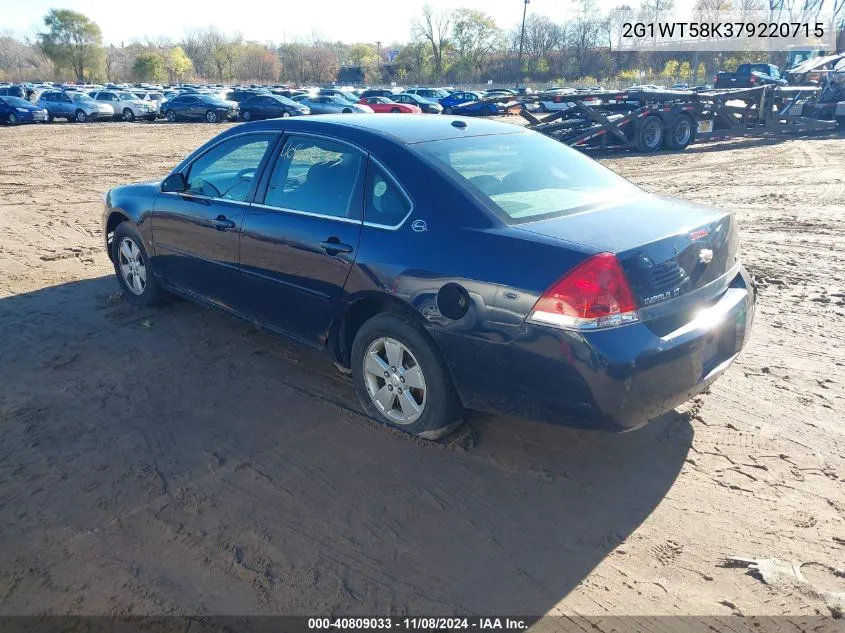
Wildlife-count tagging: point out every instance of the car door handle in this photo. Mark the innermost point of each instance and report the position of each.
(223, 223)
(334, 246)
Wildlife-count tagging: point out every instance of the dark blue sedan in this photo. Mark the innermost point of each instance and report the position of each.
(14, 110)
(270, 106)
(199, 107)
(449, 263)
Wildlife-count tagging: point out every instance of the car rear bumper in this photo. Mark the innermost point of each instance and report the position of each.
(616, 379)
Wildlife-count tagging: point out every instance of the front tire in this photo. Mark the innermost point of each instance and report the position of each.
(80, 116)
(395, 110)
(133, 268)
(211, 116)
(285, 114)
(128, 115)
(246, 115)
(401, 379)
(170, 115)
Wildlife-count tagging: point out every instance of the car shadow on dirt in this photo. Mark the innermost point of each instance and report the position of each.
(180, 461)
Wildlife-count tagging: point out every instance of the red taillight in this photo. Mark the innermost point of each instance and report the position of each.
(594, 294)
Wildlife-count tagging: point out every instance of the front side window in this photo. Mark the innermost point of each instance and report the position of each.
(228, 170)
(386, 204)
(525, 176)
(316, 176)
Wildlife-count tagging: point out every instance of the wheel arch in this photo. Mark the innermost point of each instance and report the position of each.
(115, 218)
(357, 312)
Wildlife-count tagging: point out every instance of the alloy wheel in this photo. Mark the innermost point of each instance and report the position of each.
(394, 380)
(132, 266)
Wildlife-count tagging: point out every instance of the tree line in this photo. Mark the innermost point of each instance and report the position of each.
(460, 46)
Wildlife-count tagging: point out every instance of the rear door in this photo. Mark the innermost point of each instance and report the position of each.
(301, 235)
(196, 233)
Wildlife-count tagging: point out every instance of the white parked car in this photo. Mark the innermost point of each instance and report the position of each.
(126, 105)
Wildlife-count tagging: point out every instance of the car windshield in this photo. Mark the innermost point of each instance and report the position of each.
(286, 101)
(525, 176)
(78, 96)
(126, 96)
(16, 102)
(211, 99)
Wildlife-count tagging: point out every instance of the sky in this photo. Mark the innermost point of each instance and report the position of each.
(271, 20)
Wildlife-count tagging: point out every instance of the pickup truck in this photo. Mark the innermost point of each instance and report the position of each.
(749, 76)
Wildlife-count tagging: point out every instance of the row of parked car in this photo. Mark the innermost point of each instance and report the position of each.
(214, 103)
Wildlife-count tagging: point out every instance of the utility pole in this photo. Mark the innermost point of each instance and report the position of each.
(521, 39)
(378, 59)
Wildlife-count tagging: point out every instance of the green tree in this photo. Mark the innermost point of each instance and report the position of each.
(72, 41)
(474, 35)
(149, 67)
(177, 64)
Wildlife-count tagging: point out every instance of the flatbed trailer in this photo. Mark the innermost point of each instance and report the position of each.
(648, 120)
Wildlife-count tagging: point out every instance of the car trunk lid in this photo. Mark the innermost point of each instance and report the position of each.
(667, 248)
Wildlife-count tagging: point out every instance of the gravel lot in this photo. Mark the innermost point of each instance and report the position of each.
(179, 461)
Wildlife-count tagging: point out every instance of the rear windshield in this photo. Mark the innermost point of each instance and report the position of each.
(526, 176)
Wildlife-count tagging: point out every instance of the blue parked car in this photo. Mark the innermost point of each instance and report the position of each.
(448, 263)
(459, 97)
(477, 108)
(14, 110)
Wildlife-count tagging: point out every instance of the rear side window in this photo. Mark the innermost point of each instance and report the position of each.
(315, 176)
(386, 203)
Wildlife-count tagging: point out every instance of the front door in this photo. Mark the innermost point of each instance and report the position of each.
(196, 232)
(299, 243)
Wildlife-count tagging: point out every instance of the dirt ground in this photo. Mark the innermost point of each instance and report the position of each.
(179, 461)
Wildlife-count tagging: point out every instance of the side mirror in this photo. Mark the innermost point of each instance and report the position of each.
(174, 183)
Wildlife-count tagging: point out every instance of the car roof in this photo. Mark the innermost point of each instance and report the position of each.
(400, 129)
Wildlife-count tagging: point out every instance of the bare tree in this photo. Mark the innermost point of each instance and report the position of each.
(433, 27)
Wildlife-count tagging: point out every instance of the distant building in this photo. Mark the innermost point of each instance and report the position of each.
(350, 75)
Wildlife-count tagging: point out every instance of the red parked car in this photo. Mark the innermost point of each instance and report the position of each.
(383, 104)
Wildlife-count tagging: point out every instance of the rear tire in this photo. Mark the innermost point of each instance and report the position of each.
(133, 267)
(13, 119)
(417, 396)
(680, 134)
(246, 115)
(650, 134)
